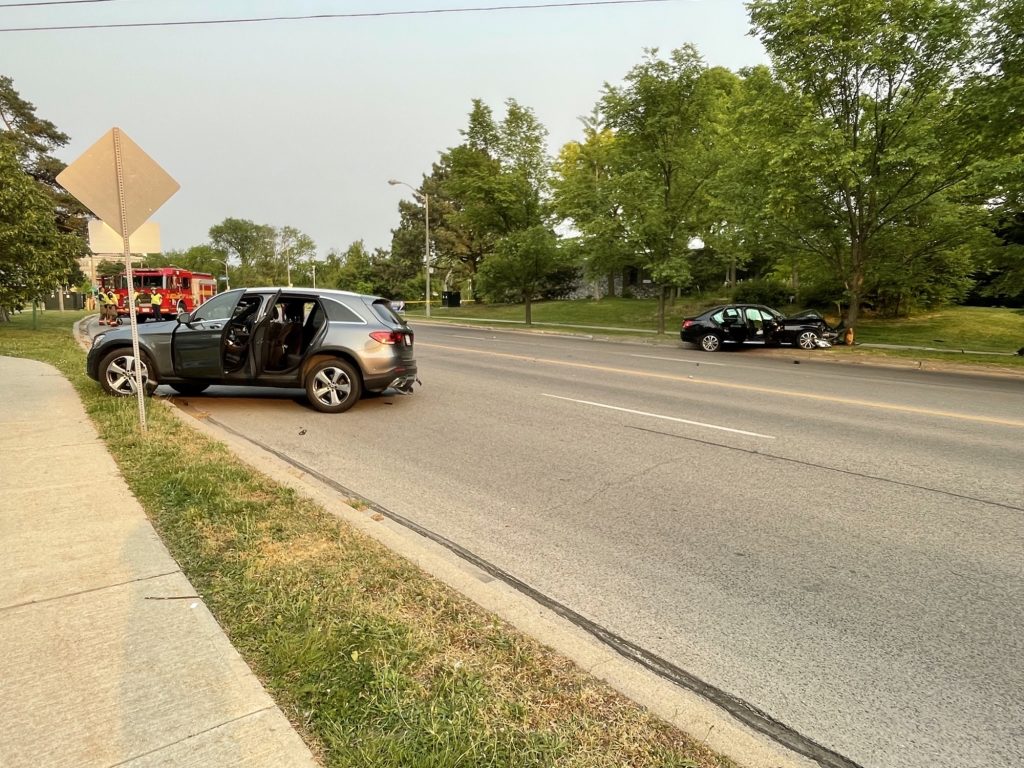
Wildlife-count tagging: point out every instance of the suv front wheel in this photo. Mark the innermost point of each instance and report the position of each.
(117, 373)
(333, 386)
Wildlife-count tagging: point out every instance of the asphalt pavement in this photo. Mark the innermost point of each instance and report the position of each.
(107, 655)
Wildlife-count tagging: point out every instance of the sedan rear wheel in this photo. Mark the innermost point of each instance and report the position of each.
(333, 386)
(117, 373)
(807, 340)
(710, 342)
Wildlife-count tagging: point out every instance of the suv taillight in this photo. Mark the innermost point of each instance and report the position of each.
(387, 337)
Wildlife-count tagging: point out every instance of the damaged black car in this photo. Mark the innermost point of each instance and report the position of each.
(756, 324)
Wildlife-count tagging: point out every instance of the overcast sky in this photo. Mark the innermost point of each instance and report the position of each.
(302, 123)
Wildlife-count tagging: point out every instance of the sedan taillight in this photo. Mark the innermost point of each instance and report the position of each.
(687, 323)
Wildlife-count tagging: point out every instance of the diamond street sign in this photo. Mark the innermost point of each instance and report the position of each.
(93, 179)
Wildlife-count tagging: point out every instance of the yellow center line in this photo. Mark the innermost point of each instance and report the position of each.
(739, 387)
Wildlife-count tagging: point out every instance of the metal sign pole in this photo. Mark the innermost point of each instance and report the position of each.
(139, 393)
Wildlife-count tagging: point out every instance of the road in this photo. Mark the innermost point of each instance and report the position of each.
(837, 546)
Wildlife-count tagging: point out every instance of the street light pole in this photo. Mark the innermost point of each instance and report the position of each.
(227, 280)
(426, 230)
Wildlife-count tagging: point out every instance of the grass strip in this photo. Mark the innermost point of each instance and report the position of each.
(376, 663)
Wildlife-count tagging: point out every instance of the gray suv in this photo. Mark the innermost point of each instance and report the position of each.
(334, 344)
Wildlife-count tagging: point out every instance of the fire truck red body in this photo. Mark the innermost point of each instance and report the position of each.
(182, 290)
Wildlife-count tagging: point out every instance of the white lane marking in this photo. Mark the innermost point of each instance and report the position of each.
(659, 416)
(681, 360)
(482, 338)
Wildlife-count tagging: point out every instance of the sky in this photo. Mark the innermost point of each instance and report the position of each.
(302, 122)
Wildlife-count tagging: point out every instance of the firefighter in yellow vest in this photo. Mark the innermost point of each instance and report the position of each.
(157, 302)
(109, 300)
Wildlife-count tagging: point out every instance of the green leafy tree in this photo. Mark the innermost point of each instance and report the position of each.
(664, 121)
(403, 267)
(584, 197)
(355, 270)
(291, 248)
(26, 141)
(998, 91)
(33, 139)
(521, 266)
(35, 255)
(249, 244)
(873, 141)
(497, 183)
(459, 245)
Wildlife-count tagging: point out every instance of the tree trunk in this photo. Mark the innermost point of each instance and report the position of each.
(529, 310)
(661, 309)
(856, 291)
(611, 285)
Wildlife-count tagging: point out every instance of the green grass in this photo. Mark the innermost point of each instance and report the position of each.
(985, 329)
(376, 663)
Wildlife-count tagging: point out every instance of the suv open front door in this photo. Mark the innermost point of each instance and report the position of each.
(196, 344)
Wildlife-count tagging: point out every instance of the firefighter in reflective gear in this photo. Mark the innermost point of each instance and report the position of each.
(109, 308)
(157, 302)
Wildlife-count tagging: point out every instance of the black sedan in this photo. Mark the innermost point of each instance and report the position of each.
(334, 344)
(755, 323)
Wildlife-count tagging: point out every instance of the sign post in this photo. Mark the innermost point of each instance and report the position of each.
(123, 186)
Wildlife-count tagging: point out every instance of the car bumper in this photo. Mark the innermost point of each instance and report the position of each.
(400, 377)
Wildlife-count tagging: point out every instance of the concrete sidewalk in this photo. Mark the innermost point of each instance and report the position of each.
(107, 656)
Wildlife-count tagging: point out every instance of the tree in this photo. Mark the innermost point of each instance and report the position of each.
(998, 89)
(32, 139)
(459, 244)
(355, 271)
(873, 143)
(497, 183)
(291, 248)
(35, 255)
(584, 196)
(521, 265)
(251, 244)
(664, 120)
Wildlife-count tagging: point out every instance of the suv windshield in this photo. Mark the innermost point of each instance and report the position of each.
(219, 307)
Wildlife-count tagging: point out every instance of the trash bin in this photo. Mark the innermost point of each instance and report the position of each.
(451, 299)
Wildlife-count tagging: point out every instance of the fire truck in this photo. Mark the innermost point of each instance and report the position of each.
(182, 290)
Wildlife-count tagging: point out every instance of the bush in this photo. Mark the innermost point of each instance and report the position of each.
(763, 291)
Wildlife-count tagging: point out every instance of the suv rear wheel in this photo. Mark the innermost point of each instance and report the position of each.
(333, 386)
